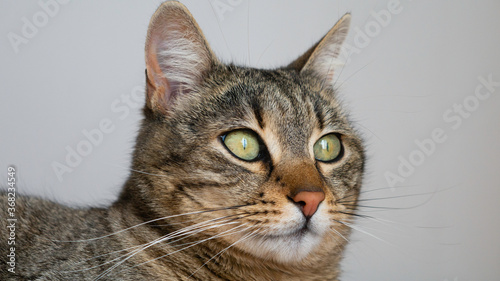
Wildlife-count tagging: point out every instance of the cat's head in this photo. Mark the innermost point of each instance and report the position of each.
(265, 159)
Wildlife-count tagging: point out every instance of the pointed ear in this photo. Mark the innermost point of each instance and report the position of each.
(322, 57)
(177, 56)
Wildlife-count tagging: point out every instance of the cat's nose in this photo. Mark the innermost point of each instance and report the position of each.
(309, 201)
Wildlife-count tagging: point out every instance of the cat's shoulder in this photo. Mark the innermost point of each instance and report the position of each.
(18, 203)
(38, 213)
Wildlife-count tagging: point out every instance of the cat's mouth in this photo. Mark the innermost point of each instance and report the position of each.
(285, 245)
(302, 231)
(297, 233)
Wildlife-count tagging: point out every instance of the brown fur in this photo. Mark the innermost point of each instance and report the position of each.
(182, 175)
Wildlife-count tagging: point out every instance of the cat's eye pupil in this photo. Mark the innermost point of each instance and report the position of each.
(243, 144)
(328, 148)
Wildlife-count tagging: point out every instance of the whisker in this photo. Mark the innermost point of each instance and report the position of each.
(379, 207)
(398, 96)
(370, 131)
(371, 218)
(150, 221)
(354, 73)
(368, 191)
(354, 214)
(185, 231)
(357, 228)
(339, 234)
(383, 188)
(156, 241)
(99, 256)
(146, 173)
(248, 32)
(192, 233)
(265, 50)
(388, 223)
(391, 197)
(399, 196)
(191, 220)
(170, 236)
(137, 171)
(246, 236)
(226, 222)
(225, 41)
(163, 256)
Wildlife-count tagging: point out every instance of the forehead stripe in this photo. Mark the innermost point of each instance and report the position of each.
(320, 116)
(257, 112)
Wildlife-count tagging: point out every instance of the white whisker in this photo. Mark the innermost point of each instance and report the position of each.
(357, 228)
(339, 234)
(246, 236)
(146, 222)
(186, 232)
(161, 239)
(166, 255)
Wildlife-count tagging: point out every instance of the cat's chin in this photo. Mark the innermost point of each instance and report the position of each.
(289, 245)
(286, 248)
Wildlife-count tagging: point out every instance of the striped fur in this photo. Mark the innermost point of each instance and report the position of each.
(190, 210)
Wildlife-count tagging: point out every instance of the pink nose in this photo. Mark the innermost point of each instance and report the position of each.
(309, 201)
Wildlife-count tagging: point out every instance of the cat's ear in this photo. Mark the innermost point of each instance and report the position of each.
(177, 56)
(322, 58)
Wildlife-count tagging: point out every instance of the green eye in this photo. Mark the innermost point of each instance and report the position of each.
(244, 144)
(327, 148)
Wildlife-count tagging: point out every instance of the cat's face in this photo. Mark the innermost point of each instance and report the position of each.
(266, 160)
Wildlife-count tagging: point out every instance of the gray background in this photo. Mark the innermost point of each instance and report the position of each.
(82, 64)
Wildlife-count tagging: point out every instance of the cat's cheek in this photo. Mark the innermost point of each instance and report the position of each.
(321, 222)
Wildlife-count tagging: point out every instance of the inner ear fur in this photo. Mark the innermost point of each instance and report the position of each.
(178, 56)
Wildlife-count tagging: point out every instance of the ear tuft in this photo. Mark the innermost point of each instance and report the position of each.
(177, 56)
(322, 58)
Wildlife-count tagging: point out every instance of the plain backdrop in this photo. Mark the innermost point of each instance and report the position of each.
(74, 68)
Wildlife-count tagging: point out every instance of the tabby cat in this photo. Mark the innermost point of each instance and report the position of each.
(238, 174)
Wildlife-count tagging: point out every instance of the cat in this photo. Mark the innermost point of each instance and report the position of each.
(237, 174)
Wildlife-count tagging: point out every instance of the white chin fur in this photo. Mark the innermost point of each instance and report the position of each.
(285, 243)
